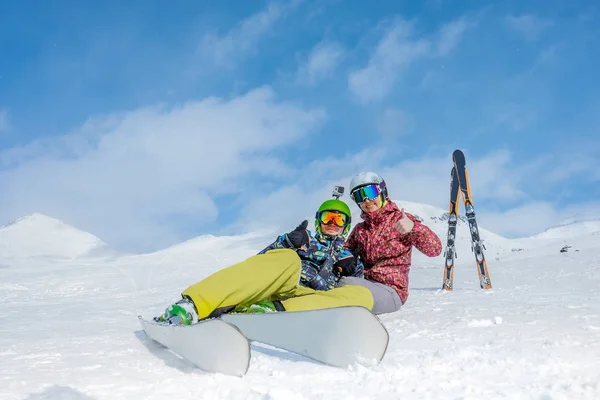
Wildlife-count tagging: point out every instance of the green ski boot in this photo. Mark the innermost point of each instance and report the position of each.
(262, 307)
(181, 313)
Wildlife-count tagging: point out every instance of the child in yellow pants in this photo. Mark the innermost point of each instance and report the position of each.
(298, 271)
(278, 278)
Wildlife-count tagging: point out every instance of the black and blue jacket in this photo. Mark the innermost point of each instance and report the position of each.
(324, 262)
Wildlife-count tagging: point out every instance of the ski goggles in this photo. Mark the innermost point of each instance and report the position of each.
(333, 217)
(368, 192)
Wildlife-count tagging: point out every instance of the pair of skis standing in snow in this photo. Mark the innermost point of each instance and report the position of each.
(460, 183)
(302, 273)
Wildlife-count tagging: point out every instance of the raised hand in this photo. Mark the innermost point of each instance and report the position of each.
(404, 224)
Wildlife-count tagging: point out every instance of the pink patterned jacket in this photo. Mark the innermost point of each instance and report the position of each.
(385, 253)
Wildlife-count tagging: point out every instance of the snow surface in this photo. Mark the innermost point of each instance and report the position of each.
(68, 326)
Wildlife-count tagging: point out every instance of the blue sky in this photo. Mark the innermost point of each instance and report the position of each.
(148, 125)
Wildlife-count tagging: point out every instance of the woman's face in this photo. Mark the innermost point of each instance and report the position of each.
(371, 205)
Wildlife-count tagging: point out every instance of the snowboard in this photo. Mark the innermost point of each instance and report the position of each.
(212, 345)
(338, 336)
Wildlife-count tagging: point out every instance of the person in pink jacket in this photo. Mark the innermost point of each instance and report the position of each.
(384, 242)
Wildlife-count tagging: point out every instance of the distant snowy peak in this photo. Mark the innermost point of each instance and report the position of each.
(571, 229)
(39, 235)
(35, 218)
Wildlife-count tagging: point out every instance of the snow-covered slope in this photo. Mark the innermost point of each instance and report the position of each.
(69, 329)
(38, 235)
(572, 237)
(224, 248)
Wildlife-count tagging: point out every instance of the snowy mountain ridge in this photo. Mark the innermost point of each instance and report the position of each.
(571, 228)
(38, 235)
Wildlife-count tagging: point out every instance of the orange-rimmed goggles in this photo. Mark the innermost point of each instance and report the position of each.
(333, 217)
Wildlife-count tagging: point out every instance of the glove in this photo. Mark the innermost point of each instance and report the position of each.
(345, 266)
(298, 238)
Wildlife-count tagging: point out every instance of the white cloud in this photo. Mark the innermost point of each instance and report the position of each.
(398, 48)
(528, 25)
(288, 205)
(419, 179)
(140, 178)
(225, 49)
(521, 221)
(133, 178)
(565, 169)
(492, 175)
(450, 36)
(394, 52)
(515, 116)
(394, 122)
(498, 180)
(3, 121)
(321, 62)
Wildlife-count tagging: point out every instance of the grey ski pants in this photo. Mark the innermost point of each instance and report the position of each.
(386, 298)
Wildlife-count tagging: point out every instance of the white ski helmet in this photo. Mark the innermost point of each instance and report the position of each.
(369, 178)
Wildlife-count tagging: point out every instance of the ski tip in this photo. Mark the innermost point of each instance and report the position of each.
(458, 154)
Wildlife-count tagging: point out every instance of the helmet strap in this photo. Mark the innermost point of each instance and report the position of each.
(382, 200)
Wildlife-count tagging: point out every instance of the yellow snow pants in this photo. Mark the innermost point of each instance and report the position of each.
(274, 275)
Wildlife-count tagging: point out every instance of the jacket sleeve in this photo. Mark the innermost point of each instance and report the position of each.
(424, 239)
(282, 242)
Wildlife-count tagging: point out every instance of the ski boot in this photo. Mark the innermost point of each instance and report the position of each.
(181, 313)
